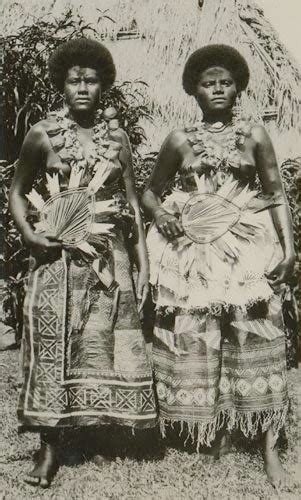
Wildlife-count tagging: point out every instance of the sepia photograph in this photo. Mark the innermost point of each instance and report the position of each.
(149, 236)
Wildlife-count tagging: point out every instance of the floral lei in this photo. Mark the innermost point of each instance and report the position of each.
(65, 140)
(214, 157)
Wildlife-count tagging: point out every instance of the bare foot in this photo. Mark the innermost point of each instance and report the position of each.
(100, 460)
(45, 468)
(276, 474)
(222, 445)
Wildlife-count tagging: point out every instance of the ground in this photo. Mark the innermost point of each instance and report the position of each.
(137, 471)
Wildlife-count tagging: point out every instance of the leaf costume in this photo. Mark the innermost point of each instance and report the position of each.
(219, 346)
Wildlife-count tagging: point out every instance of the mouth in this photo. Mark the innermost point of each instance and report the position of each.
(82, 99)
(219, 99)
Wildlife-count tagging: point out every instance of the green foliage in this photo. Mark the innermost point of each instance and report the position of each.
(29, 96)
(29, 93)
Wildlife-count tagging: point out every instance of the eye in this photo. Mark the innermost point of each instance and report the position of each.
(207, 84)
(227, 83)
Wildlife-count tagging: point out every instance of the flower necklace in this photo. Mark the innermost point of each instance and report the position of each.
(73, 152)
(213, 156)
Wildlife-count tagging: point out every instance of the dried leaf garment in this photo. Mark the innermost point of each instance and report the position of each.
(84, 355)
(219, 348)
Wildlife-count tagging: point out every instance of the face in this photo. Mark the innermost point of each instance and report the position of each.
(82, 89)
(216, 90)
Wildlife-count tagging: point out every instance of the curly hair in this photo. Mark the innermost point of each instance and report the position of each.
(215, 55)
(82, 52)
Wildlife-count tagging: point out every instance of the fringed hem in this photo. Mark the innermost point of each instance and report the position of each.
(215, 309)
(249, 423)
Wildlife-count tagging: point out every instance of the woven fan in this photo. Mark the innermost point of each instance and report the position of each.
(220, 217)
(69, 215)
(206, 217)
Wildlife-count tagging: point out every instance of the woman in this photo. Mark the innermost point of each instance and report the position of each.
(84, 357)
(219, 348)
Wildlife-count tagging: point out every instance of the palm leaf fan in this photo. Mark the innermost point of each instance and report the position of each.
(68, 216)
(206, 217)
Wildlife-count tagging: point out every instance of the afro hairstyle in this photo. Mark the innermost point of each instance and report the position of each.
(215, 55)
(85, 53)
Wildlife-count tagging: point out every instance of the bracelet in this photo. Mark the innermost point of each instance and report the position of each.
(159, 209)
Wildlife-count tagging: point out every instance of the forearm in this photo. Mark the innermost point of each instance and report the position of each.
(139, 248)
(283, 224)
(19, 209)
(151, 202)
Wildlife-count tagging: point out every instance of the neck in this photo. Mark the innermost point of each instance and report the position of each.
(224, 117)
(84, 120)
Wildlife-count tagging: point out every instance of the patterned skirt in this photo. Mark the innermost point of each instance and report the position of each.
(219, 350)
(221, 370)
(84, 355)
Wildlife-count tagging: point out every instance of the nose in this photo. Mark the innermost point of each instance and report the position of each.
(82, 87)
(218, 89)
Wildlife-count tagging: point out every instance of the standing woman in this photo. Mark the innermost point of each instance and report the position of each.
(219, 347)
(84, 357)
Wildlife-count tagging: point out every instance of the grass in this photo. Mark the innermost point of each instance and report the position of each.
(140, 467)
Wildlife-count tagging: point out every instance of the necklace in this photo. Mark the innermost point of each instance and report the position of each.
(71, 149)
(212, 155)
(217, 127)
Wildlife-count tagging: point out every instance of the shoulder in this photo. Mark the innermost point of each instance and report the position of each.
(39, 130)
(121, 137)
(37, 137)
(259, 134)
(176, 138)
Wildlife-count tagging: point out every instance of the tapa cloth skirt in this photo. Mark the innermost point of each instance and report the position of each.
(84, 355)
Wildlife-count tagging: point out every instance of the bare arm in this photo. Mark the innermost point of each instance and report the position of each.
(140, 252)
(270, 178)
(32, 156)
(169, 160)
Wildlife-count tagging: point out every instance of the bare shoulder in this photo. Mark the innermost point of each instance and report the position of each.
(120, 136)
(176, 139)
(259, 134)
(38, 132)
(36, 142)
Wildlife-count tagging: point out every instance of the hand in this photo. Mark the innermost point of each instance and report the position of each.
(44, 247)
(142, 288)
(168, 224)
(282, 272)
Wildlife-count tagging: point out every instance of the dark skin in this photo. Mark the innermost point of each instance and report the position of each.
(82, 94)
(215, 94)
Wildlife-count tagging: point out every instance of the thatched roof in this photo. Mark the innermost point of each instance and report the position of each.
(169, 31)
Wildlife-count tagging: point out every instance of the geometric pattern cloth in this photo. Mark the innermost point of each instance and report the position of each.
(82, 363)
(221, 370)
(219, 346)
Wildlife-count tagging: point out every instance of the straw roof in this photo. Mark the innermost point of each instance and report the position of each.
(151, 39)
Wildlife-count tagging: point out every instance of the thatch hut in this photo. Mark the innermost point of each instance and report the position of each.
(151, 40)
